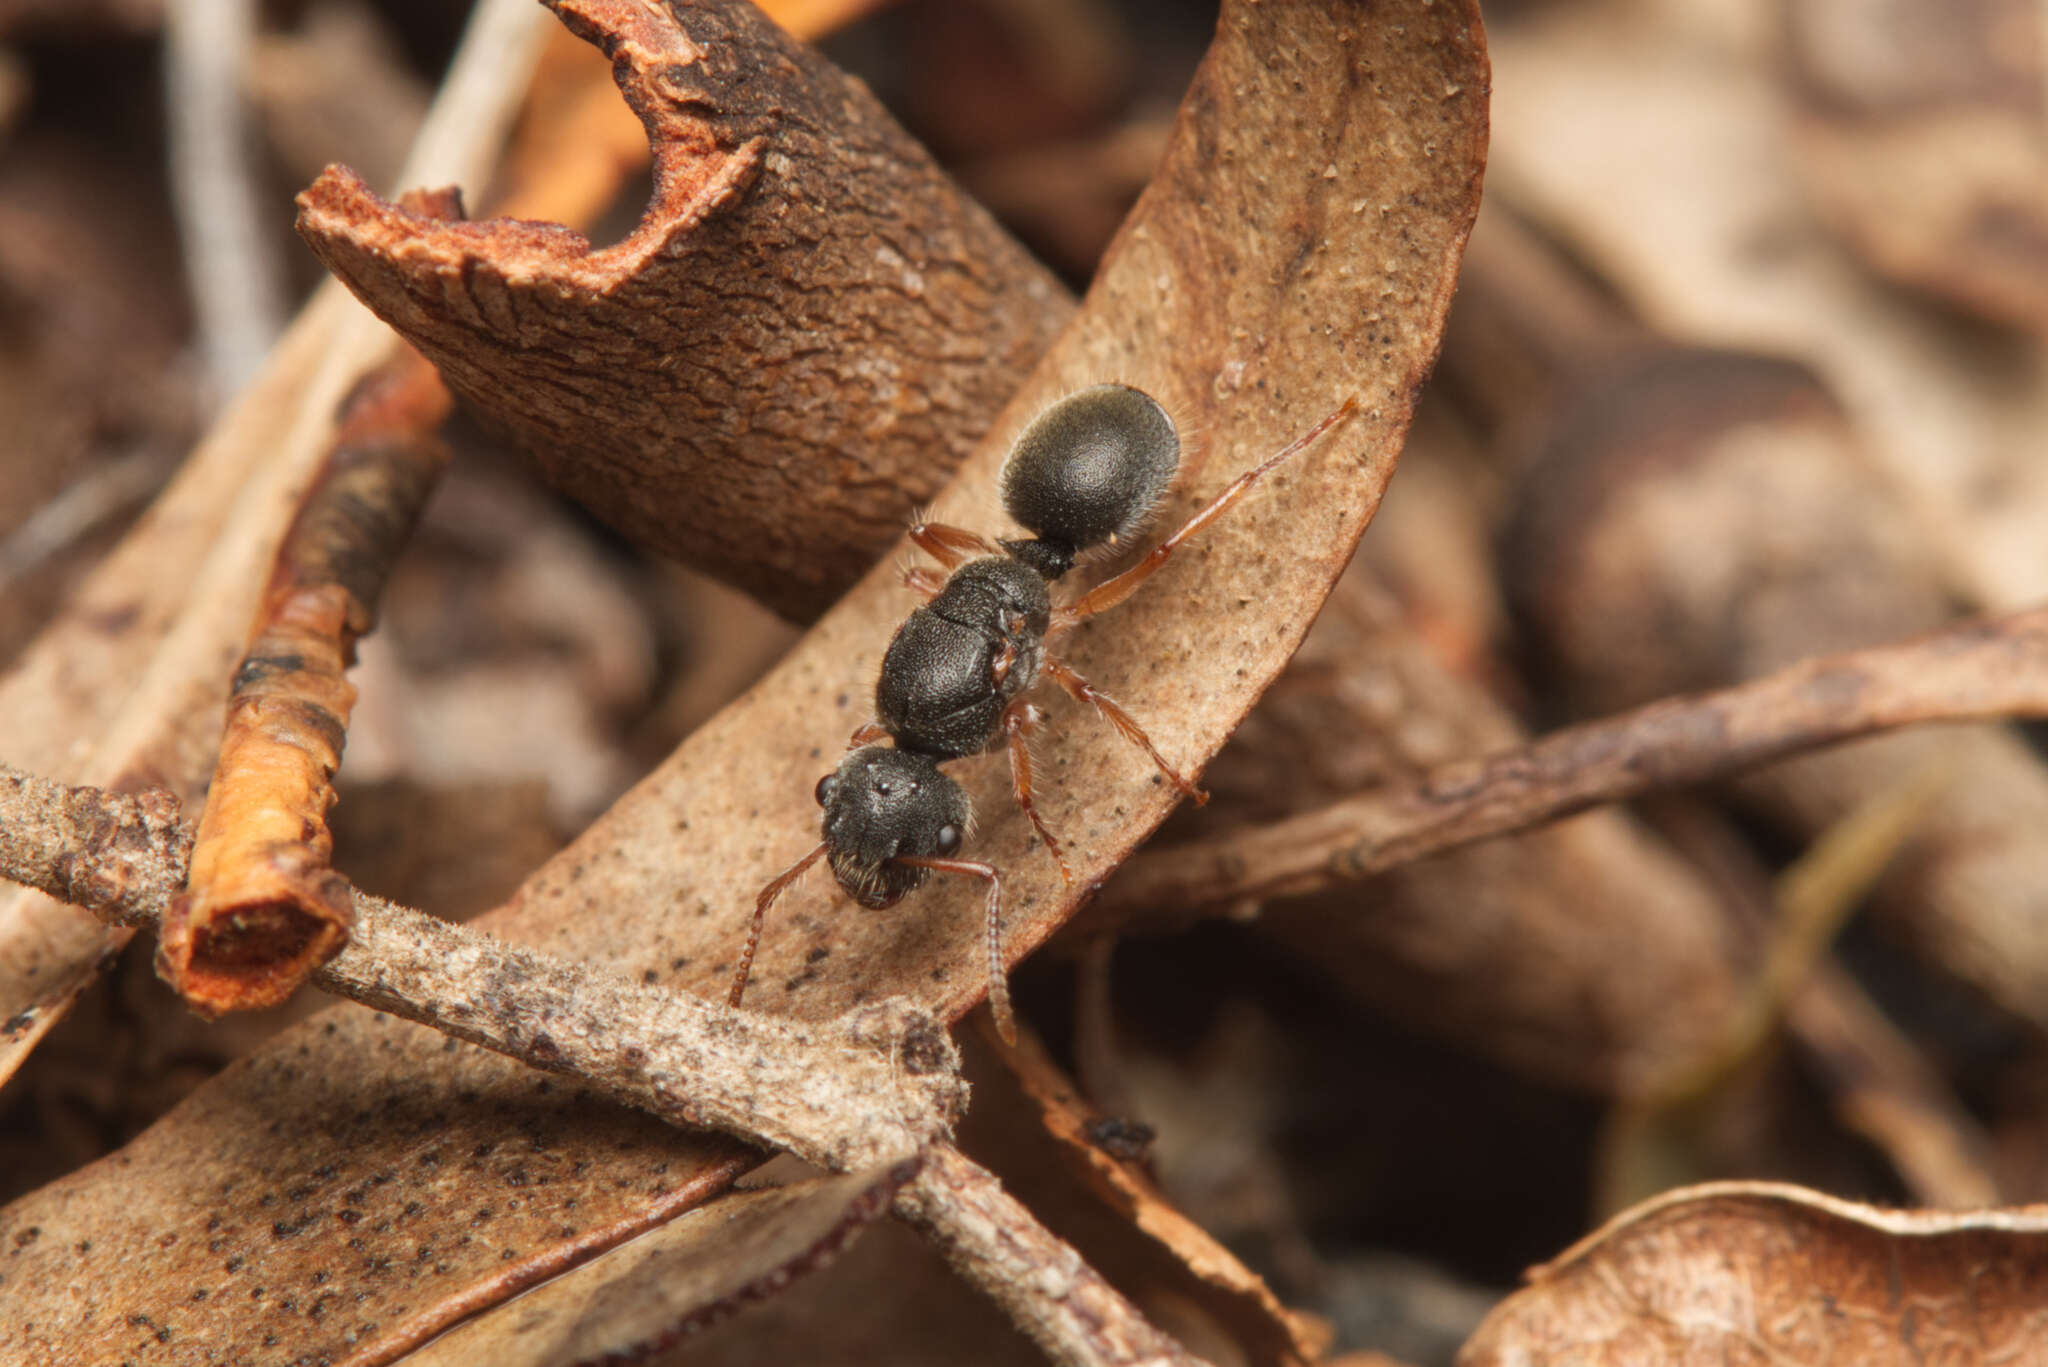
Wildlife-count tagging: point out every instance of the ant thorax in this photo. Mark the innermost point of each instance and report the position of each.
(957, 662)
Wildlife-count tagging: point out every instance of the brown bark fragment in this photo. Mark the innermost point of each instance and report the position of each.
(1298, 246)
(1759, 1272)
(807, 329)
(263, 908)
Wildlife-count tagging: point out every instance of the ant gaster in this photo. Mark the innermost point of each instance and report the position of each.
(1089, 471)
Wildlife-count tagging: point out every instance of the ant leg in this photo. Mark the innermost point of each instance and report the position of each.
(925, 581)
(867, 733)
(1110, 592)
(952, 547)
(998, 980)
(761, 905)
(1020, 719)
(1083, 691)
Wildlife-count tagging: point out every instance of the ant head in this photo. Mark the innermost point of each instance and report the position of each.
(882, 803)
(1092, 467)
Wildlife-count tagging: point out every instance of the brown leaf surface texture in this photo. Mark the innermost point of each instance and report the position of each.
(1298, 245)
(1760, 1272)
(805, 332)
(677, 1281)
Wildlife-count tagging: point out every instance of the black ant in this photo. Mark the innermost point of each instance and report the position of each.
(1089, 471)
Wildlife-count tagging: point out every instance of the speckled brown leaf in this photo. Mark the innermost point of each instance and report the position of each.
(1299, 245)
(1739, 1273)
(676, 1282)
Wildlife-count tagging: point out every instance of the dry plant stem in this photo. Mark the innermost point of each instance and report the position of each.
(1986, 669)
(1047, 1289)
(230, 262)
(808, 304)
(263, 906)
(868, 1089)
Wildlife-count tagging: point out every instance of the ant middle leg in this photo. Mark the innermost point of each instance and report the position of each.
(1126, 725)
(1110, 592)
(1020, 719)
(998, 979)
(951, 546)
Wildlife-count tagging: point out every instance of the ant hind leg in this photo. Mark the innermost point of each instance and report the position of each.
(1110, 592)
(1020, 719)
(1125, 724)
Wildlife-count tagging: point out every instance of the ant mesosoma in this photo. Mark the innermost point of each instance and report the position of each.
(1089, 471)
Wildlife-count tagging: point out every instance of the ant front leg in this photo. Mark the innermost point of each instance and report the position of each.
(1110, 592)
(1083, 691)
(951, 546)
(761, 905)
(867, 733)
(1020, 719)
(998, 979)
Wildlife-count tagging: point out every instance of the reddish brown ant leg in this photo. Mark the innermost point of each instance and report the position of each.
(1020, 719)
(923, 580)
(867, 733)
(952, 547)
(998, 980)
(1083, 691)
(761, 905)
(1110, 592)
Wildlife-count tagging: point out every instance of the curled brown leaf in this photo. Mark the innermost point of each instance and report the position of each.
(1764, 1272)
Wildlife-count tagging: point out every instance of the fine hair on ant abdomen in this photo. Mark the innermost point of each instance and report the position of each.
(1087, 473)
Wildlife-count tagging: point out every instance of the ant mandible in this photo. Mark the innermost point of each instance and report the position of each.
(1089, 471)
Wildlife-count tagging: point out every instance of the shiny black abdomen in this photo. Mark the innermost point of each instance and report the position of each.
(938, 693)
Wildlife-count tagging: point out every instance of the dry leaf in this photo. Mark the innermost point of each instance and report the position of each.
(1758, 1272)
(668, 1286)
(1299, 245)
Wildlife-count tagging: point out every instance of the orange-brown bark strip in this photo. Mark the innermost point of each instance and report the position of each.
(263, 907)
(1992, 668)
(805, 333)
(1299, 244)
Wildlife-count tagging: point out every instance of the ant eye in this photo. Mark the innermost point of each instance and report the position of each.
(825, 787)
(948, 839)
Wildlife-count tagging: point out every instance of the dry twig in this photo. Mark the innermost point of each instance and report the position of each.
(1987, 669)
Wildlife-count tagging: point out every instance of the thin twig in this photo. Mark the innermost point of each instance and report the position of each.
(231, 263)
(1049, 1290)
(876, 1086)
(869, 1089)
(1981, 670)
